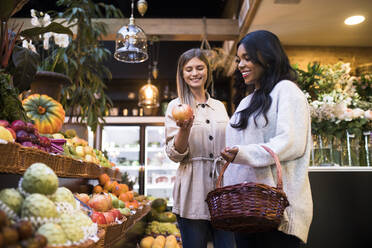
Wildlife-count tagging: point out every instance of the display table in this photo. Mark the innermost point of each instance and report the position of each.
(342, 207)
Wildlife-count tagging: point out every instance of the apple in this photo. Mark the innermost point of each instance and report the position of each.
(121, 204)
(110, 218)
(115, 200)
(18, 125)
(116, 213)
(98, 217)
(125, 211)
(11, 131)
(100, 202)
(4, 123)
(30, 127)
(182, 112)
(83, 198)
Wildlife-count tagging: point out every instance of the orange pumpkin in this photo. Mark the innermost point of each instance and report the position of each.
(47, 113)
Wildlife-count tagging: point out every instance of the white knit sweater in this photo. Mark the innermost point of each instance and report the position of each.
(288, 134)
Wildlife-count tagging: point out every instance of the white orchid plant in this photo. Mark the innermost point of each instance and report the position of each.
(58, 40)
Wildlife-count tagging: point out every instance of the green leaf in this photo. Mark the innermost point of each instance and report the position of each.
(53, 27)
(26, 63)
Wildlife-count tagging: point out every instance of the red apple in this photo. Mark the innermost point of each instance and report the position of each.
(110, 218)
(116, 213)
(4, 123)
(182, 112)
(100, 202)
(83, 198)
(30, 127)
(12, 132)
(18, 125)
(98, 217)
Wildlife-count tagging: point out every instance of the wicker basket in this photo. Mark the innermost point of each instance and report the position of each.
(30, 155)
(9, 154)
(248, 207)
(93, 170)
(113, 231)
(108, 171)
(73, 167)
(87, 244)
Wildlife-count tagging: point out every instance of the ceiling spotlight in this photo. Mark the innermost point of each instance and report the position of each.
(353, 20)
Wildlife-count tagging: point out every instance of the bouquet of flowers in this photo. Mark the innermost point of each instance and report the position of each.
(341, 113)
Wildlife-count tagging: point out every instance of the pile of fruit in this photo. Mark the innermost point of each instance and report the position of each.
(161, 230)
(28, 135)
(111, 200)
(121, 191)
(52, 210)
(19, 234)
(78, 148)
(160, 242)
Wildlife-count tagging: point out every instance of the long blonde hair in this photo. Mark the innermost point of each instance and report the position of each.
(183, 90)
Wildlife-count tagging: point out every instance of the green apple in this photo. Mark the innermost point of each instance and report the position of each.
(124, 211)
(115, 201)
(121, 204)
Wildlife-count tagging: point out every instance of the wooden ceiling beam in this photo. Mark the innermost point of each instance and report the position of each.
(247, 13)
(177, 29)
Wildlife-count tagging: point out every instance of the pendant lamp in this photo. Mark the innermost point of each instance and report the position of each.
(131, 43)
(148, 96)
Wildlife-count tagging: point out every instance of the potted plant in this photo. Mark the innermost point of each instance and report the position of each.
(83, 61)
(48, 79)
(18, 65)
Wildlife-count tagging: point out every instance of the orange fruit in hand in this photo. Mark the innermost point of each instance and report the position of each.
(103, 179)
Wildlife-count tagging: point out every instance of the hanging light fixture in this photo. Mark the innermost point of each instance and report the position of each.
(148, 97)
(142, 7)
(131, 43)
(156, 48)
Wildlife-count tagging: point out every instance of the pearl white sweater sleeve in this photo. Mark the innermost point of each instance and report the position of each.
(290, 132)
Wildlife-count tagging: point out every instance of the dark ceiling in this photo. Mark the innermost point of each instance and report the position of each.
(130, 77)
(156, 8)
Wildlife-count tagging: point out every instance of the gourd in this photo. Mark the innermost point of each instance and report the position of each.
(47, 113)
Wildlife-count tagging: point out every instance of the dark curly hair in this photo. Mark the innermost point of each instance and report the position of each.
(264, 49)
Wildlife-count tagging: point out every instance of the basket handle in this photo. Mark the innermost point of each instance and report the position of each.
(279, 185)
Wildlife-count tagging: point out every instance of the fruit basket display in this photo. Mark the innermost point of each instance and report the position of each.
(53, 211)
(10, 151)
(19, 158)
(49, 210)
(68, 155)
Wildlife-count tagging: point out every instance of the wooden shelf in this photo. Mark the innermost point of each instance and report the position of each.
(16, 159)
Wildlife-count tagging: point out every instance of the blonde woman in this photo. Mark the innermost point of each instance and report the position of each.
(196, 144)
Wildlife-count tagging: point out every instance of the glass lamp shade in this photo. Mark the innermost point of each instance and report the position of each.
(131, 44)
(148, 96)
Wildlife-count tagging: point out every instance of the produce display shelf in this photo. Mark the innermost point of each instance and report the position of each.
(115, 233)
(15, 159)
